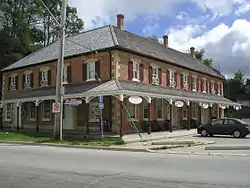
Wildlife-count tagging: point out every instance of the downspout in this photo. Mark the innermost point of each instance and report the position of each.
(110, 78)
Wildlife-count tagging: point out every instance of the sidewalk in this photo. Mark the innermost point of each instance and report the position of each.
(130, 138)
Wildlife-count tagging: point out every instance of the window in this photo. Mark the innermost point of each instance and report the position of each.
(8, 112)
(218, 88)
(44, 77)
(194, 86)
(155, 76)
(136, 74)
(194, 111)
(159, 107)
(212, 87)
(132, 110)
(185, 81)
(12, 84)
(204, 86)
(46, 110)
(229, 122)
(145, 110)
(65, 74)
(185, 112)
(27, 80)
(94, 112)
(91, 71)
(217, 122)
(31, 109)
(171, 79)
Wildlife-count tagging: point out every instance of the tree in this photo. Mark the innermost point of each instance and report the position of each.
(200, 55)
(25, 26)
(153, 38)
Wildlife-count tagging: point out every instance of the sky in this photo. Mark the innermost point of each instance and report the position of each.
(221, 27)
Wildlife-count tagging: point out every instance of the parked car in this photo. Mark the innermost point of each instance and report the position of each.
(225, 126)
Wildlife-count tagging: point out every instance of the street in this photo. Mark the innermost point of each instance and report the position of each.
(39, 167)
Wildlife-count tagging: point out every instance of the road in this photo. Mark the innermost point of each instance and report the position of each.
(46, 167)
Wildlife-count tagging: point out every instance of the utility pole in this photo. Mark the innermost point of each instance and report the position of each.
(59, 76)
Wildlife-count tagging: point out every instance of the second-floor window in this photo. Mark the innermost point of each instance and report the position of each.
(13, 83)
(66, 77)
(194, 84)
(204, 86)
(172, 81)
(136, 70)
(91, 71)
(185, 81)
(155, 75)
(44, 77)
(212, 87)
(28, 80)
(219, 88)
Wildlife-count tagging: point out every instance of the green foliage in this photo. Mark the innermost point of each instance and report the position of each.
(154, 38)
(26, 26)
(200, 55)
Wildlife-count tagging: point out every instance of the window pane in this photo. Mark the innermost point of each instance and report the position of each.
(131, 109)
(145, 110)
(159, 108)
(94, 112)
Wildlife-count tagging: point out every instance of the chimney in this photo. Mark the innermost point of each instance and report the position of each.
(165, 40)
(192, 50)
(120, 21)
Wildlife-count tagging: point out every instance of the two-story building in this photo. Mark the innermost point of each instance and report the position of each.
(177, 91)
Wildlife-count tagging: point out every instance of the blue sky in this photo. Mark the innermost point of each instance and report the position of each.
(221, 27)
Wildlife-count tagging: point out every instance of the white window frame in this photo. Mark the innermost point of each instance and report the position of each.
(145, 110)
(204, 85)
(172, 82)
(136, 71)
(185, 81)
(212, 87)
(13, 83)
(94, 112)
(27, 79)
(194, 83)
(90, 77)
(29, 109)
(44, 77)
(160, 106)
(8, 111)
(132, 108)
(218, 88)
(194, 111)
(65, 74)
(155, 75)
(43, 118)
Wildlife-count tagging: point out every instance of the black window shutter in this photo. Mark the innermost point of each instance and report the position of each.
(159, 76)
(69, 74)
(49, 77)
(39, 78)
(16, 82)
(130, 70)
(9, 83)
(84, 71)
(31, 80)
(23, 81)
(97, 70)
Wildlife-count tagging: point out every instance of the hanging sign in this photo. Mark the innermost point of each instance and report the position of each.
(73, 102)
(222, 106)
(179, 104)
(135, 99)
(205, 105)
(237, 108)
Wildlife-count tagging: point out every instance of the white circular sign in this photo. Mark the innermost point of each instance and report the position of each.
(237, 108)
(205, 105)
(135, 99)
(222, 106)
(179, 104)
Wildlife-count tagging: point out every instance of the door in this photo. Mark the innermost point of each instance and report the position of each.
(228, 126)
(216, 126)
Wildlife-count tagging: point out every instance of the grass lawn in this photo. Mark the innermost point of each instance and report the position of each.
(40, 137)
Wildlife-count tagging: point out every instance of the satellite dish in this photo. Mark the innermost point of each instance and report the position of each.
(135, 99)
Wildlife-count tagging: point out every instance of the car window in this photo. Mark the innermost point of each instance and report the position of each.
(217, 122)
(240, 121)
(232, 122)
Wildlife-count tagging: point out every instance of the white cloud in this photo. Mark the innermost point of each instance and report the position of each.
(242, 9)
(228, 46)
(100, 12)
(182, 15)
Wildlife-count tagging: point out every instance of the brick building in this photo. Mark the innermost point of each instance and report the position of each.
(178, 91)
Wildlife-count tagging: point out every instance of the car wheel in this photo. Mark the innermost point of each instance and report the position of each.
(236, 134)
(204, 132)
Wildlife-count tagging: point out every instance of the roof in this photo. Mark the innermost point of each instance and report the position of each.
(120, 86)
(110, 37)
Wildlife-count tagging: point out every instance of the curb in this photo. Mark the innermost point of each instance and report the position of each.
(229, 147)
(112, 148)
(208, 154)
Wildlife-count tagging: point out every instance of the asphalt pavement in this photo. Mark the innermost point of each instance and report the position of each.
(40, 167)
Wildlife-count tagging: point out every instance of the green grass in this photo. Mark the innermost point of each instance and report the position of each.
(40, 137)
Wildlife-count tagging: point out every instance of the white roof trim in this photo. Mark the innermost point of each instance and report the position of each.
(44, 69)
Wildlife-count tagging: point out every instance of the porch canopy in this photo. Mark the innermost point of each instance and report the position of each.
(121, 89)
